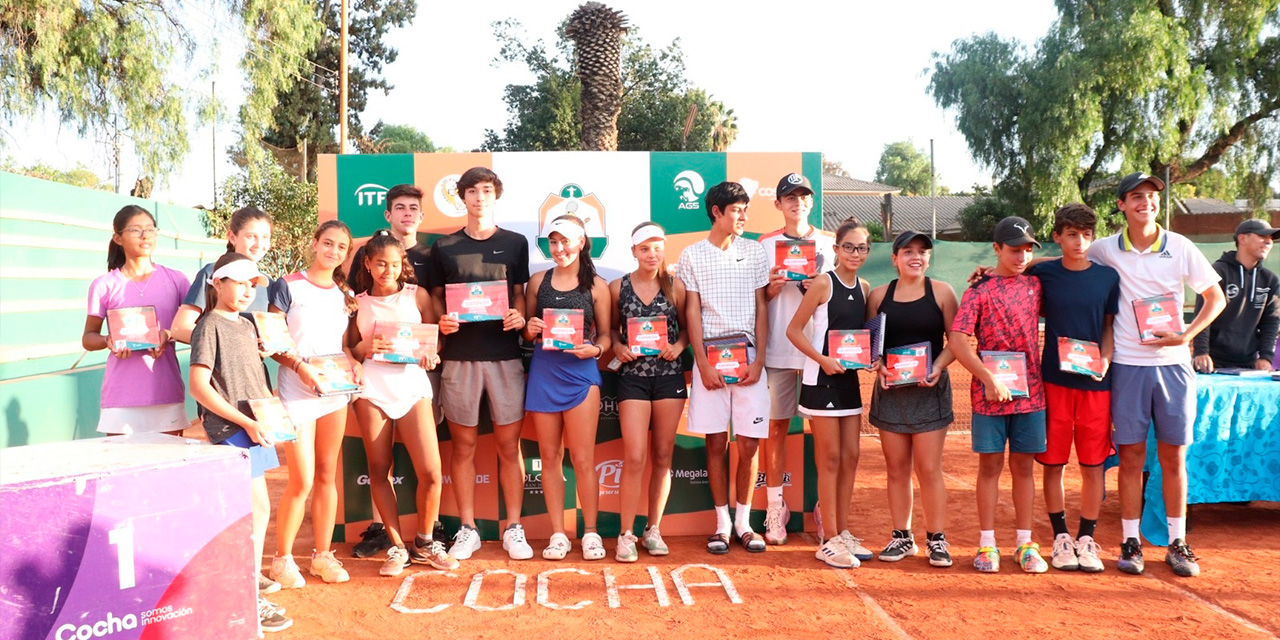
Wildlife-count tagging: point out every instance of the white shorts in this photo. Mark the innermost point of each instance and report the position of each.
(784, 394)
(154, 418)
(712, 410)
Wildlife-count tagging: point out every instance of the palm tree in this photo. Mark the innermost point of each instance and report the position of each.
(596, 31)
(724, 128)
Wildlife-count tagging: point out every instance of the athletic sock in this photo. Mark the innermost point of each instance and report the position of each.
(1024, 536)
(775, 497)
(1086, 528)
(422, 541)
(1129, 528)
(742, 518)
(723, 523)
(987, 538)
(1059, 522)
(1177, 528)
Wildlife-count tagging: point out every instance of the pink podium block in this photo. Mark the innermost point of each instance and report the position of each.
(127, 538)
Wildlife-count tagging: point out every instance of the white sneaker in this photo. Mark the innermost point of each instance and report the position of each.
(1064, 553)
(397, 560)
(626, 551)
(465, 542)
(653, 542)
(775, 524)
(854, 545)
(557, 548)
(514, 543)
(592, 546)
(327, 568)
(285, 571)
(1087, 555)
(835, 554)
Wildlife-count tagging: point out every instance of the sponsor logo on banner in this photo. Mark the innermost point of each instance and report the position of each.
(610, 475)
(363, 181)
(371, 194)
(448, 200)
(762, 479)
(572, 200)
(689, 186)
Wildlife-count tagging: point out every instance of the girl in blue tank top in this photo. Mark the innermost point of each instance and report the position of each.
(563, 393)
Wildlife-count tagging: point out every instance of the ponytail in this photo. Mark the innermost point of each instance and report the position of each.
(115, 252)
(361, 278)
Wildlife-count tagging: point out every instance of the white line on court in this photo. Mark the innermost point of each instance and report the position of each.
(866, 598)
(1238, 619)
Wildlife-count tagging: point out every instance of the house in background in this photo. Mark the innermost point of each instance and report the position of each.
(1213, 220)
(872, 202)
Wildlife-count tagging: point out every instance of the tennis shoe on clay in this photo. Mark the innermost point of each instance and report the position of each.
(327, 568)
(286, 572)
(1064, 553)
(775, 524)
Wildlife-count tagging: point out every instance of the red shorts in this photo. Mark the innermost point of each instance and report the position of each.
(1080, 416)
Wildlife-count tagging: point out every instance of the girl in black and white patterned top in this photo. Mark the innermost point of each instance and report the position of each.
(651, 385)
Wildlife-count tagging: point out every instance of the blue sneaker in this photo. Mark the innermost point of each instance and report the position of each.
(1131, 557)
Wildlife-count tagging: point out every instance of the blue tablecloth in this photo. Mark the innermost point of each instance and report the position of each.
(1235, 452)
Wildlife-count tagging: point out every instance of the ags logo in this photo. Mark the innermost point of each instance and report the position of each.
(448, 200)
(371, 194)
(689, 185)
(609, 473)
(571, 200)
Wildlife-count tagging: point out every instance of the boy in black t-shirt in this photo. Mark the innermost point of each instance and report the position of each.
(483, 358)
(1079, 300)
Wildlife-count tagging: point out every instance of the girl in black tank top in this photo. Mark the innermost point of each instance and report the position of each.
(913, 420)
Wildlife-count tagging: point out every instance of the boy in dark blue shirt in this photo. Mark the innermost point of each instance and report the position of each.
(1079, 301)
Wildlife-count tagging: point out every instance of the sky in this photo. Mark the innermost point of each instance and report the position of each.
(844, 78)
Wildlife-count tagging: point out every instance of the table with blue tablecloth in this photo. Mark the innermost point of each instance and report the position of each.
(1235, 450)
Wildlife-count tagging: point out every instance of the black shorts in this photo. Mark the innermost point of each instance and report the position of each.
(650, 388)
(824, 401)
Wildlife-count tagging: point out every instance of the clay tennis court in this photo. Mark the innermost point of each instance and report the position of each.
(785, 592)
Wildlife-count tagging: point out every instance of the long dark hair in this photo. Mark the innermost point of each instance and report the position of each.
(115, 252)
(339, 277)
(664, 278)
(361, 277)
(211, 294)
(586, 268)
(244, 216)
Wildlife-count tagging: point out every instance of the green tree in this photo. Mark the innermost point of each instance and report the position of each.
(657, 99)
(291, 202)
(103, 65)
(398, 138)
(1133, 84)
(78, 176)
(309, 110)
(903, 165)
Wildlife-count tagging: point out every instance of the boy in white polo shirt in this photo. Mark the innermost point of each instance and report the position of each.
(1154, 383)
(725, 277)
(794, 198)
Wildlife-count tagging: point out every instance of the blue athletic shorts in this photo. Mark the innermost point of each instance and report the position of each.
(1164, 395)
(1024, 433)
(261, 459)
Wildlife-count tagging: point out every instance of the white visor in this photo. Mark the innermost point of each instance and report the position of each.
(567, 228)
(647, 232)
(240, 271)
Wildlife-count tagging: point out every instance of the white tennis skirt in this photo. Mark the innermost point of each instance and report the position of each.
(154, 418)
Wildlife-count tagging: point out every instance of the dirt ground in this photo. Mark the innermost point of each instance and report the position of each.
(786, 592)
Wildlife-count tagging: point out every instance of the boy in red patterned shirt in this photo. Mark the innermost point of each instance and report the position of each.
(1002, 311)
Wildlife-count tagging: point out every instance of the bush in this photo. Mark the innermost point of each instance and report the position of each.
(291, 203)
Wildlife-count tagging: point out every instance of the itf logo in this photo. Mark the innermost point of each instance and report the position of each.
(689, 186)
(371, 194)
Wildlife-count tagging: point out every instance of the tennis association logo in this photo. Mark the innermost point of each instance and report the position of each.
(647, 327)
(446, 197)
(1156, 308)
(848, 339)
(1004, 365)
(726, 354)
(689, 186)
(476, 291)
(1077, 348)
(371, 194)
(571, 199)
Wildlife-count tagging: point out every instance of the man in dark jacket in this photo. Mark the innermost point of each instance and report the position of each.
(1244, 335)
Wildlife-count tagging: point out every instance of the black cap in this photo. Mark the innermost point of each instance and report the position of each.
(1014, 231)
(1258, 227)
(791, 182)
(906, 237)
(1131, 182)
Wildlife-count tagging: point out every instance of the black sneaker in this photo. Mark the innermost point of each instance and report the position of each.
(1131, 557)
(1182, 559)
(437, 531)
(938, 554)
(271, 618)
(373, 541)
(901, 546)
